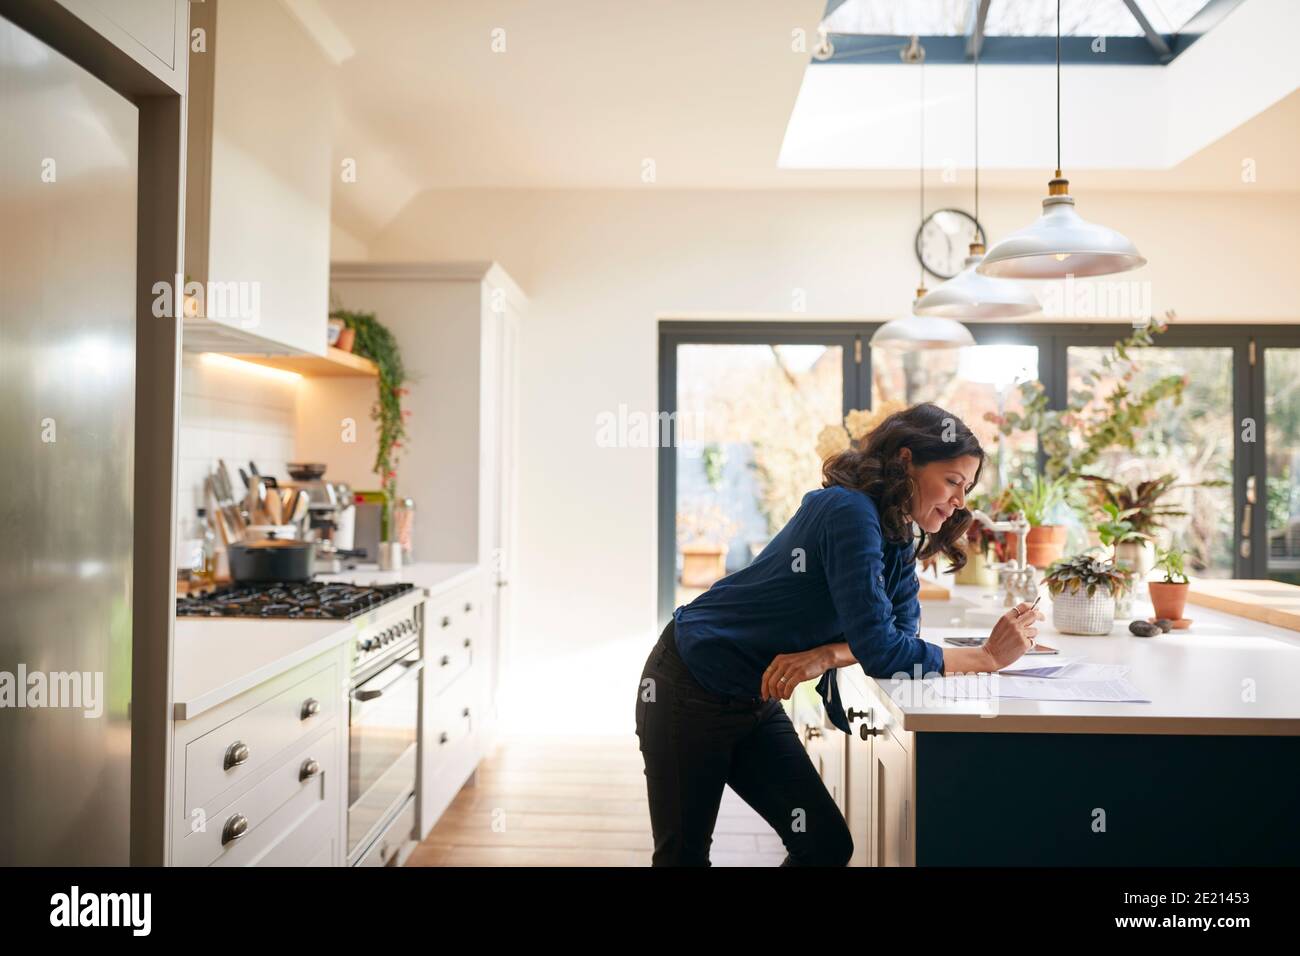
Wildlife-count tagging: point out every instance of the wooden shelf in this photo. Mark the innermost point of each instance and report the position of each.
(335, 363)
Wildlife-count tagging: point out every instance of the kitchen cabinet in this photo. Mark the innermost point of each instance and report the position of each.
(457, 711)
(458, 325)
(258, 181)
(879, 778)
(153, 33)
(261, 778)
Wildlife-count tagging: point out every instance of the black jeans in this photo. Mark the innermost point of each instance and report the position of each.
(695, 742)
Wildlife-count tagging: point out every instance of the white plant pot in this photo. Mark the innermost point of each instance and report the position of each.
(1077, 613)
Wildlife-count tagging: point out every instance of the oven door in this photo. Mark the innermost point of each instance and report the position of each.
(382, 747)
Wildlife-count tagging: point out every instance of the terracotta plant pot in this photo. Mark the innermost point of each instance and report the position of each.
(702, 564)
(346, 338)
(1168, 599)
(1045, 544)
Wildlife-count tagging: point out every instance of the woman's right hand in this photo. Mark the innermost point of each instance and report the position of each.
(1012, 635)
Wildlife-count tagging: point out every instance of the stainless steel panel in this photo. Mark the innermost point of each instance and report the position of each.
(68, 172)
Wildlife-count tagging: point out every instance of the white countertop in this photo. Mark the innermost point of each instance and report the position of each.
(1225, 675)
(216, 659)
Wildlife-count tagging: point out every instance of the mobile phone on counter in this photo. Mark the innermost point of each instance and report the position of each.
(979, 642)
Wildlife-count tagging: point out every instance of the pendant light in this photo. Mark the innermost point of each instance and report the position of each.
(1060, 243)
(968, 294)
(920, 332)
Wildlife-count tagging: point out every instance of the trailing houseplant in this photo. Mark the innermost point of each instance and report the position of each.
(1084, 589)
(374, 341)
(1073, 438)
(1169, 597)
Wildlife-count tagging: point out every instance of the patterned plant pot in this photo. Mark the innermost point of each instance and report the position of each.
(1079, 614)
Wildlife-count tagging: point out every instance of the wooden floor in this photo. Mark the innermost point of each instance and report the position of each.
(573, 801)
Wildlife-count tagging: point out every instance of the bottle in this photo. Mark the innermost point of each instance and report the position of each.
(208, 568)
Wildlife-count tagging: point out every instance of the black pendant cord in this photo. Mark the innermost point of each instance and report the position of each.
(978, 235)
(1058, 89)
(921, 165)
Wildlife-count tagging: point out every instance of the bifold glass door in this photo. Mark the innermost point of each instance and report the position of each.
(748, 400)
(746, 410)
(1280, 501)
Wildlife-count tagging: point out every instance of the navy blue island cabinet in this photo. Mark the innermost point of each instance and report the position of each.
(1198, 777)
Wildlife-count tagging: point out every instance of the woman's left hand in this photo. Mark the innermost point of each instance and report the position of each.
(789, 670)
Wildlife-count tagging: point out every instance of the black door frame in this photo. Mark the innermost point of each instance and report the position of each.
(1053, 342)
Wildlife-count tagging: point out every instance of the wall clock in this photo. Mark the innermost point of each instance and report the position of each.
(943, 241)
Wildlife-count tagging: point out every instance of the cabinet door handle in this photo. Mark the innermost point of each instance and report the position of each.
(468, 642)
(310, 767)
(445, 661)
(468, 607)
(310, 708)
(446, 622)
(236, 754)
(853, 714)
(866, 732)
(442, 737)
(235, 829)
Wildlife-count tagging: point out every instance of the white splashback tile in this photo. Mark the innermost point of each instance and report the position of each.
(235, 415)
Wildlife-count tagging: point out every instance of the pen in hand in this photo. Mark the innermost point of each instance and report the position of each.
(1032, 643)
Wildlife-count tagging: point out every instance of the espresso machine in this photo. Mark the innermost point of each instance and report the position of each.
(331, 518)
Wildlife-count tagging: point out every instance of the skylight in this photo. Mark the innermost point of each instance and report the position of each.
(1142, 31)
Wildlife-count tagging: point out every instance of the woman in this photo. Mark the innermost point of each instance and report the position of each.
(837, 586)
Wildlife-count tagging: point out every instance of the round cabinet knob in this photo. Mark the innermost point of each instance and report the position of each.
(442, 737)
(310, 708)
(468, 607)
(236, 827)
(236, 754)
(465, 712)
(468, 642)
(866, 732)
(310, 768)
(444, 661)
(446, 622)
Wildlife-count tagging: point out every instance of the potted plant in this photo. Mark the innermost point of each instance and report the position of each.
(1127, 544)
(1169, 597)
(1042, 503)
(1084, 589)
(703, 537)
(1141, 506)
(982, 547)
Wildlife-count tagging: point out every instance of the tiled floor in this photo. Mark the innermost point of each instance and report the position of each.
(573, 801)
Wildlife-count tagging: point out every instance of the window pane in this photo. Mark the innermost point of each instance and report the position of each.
(968, 382)
(1282, 443)
(748, 420)
(1193, 440)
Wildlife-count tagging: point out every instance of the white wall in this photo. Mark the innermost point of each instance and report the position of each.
(600, 268)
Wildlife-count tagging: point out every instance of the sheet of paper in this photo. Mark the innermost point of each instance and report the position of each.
(984, 687)
(1088, 671)
(1029, 666)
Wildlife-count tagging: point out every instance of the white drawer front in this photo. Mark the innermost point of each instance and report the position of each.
(306, 783)
(238, 748)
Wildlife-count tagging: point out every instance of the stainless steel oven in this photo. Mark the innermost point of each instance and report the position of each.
(383, 737)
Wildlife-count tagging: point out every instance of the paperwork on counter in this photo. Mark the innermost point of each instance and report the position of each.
(1070, 678)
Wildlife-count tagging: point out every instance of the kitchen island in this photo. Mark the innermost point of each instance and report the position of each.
(929, 780)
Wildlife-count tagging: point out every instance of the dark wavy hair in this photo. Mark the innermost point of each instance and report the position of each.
(877, 469)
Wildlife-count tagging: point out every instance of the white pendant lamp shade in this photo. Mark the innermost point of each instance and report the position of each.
(1060, 243)
(920, 332)
(971, 295)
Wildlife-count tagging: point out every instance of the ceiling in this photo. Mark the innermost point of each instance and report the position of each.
(588, 94)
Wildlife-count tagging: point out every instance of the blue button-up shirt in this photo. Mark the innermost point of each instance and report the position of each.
(827, 577)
